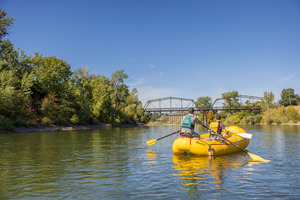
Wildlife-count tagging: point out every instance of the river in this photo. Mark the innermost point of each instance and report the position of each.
(116, 163)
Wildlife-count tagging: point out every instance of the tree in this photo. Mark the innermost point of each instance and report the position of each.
(133, 108)
(5, 22)
(50, 107)
(101, 101)
(116, 87)
(82, 80)
(268, 100)
(288, 97)
(297, 99)
(204, 102)
(231, 99)
(51, 73)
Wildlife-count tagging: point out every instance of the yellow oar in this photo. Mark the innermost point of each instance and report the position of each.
(151, 142)
(253, 156)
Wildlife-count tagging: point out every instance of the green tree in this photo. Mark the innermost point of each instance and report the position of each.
(7, 93)
(268, 100)
(68, 104)
(297, 99)
(5, 45)
(5, 23)
(51, 73)
(117, 87)
(101, 101)
(14, 103)
(231, 99)
(288, 97)
(134, 108)
(204, 102)
(50, 107)
(82, 81)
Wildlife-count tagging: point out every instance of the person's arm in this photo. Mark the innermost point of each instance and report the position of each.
(223, 128)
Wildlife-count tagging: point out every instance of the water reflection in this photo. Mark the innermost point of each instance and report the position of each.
(203, 173)
(151, 155)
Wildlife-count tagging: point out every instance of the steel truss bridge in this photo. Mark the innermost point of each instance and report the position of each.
(175, 104)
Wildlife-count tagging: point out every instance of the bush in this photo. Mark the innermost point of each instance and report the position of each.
(74, 119)
(292, 114)
(250, 120)
(284, 119)
(6, 124)
(233, 119)
(46, 121)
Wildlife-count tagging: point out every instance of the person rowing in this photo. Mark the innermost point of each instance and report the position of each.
(218, 127)
(188, 124)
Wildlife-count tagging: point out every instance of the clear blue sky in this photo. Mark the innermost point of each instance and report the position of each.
(179, 48)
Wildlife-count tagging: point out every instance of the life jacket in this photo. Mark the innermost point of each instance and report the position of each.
(187, 122)
(215, 126)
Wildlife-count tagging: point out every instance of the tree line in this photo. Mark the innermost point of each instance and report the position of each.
(37, 90)
(286, 110)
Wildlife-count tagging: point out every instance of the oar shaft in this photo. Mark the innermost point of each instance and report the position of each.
(151, 142)
(168, 135)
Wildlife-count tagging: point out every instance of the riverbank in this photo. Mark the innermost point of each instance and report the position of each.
(101, 126)
(178, 123)
(33, 129)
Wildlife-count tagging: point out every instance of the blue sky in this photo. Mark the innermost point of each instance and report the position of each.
(178, 48)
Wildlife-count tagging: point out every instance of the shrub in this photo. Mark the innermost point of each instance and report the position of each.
(292, 114)
(250, 120)
(6, 124)
(74, 119)
(46, 121)
(284, 119)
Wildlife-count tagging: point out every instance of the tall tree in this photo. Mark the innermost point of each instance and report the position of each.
(288, 97)
(5, 22)
(82, 80)
(204, 102)
(51, 73)
(116, 86)
(297, 99)
(101, 101)
(231, 99)
(268, 100)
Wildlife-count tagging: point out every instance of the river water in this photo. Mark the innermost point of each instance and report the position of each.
(116, 163)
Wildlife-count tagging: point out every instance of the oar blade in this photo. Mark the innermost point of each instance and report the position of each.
(151, 142)
(245, 135)
(258, 158)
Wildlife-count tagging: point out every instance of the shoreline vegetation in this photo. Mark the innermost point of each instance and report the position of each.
(39, 91)
(103, 126)
(281, 115)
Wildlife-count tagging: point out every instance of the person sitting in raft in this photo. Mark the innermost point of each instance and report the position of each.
(188, 123)
(218, 127)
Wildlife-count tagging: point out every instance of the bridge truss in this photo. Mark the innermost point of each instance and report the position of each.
(169, 105)
(175, 104)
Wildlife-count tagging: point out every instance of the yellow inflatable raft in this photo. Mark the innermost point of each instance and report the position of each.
(204, 144)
